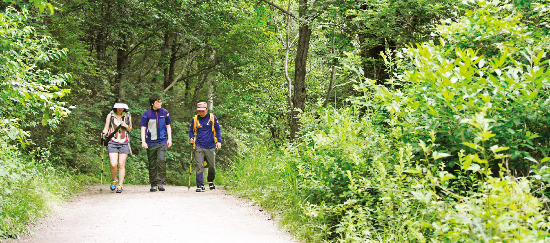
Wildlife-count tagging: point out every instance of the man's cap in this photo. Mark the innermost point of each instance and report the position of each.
(120, 105)
(201, 106)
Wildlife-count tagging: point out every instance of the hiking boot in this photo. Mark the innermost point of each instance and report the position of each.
(161, 187)
(119, 189)
(211, 185)
(113, 185)
(153, 188)
(200, 189)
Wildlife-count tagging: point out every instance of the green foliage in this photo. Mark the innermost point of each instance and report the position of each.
(32, 187)
(261, 173)
(337, 184)
(429, 156)
(41, 5)
(385, 24)
(496, 208)
(504, 210)
(481, 29)
(29, 93)
(446, 84)
(433, 154)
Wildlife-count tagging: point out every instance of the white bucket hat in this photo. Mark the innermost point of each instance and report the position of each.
(120, 105)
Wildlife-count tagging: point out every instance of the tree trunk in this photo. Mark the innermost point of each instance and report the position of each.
(287, 52)
(198, 89)
(169, 58)
(101, 45)
(210, 83)
(122, 68)
(373, 67)
(299, 99)
(330, 85)
(210, 92)
(187, 91)
(103, 32)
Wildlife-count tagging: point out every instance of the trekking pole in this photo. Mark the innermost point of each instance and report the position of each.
(102, 157)
(190, 163)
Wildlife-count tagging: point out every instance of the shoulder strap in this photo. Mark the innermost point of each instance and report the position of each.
(112, 134)
(126, 117)
(195, 121)
(112, 125)
(213, 128)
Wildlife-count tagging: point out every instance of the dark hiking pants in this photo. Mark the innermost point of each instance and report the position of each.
(156, 155)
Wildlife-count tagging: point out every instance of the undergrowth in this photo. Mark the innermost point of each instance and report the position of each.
(450, 149)
(32, 188)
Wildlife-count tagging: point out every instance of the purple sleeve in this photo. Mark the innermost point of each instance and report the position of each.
(143, 122)
(168, 120)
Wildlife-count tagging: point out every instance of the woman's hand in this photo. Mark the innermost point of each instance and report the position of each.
(124, 124)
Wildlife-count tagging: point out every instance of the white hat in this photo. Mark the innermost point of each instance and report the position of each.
(120, 105)
(201, 106)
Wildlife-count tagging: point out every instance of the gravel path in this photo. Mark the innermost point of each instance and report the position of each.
(175, 215)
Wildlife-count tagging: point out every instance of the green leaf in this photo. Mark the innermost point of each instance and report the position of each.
(437, 155)
(474, 167)
(413, 171)
(444, 176)
(497, 149)
(423, 145)
(471, 145)
(531, 159)
(467, 163)
(486, 135)
(425, 197)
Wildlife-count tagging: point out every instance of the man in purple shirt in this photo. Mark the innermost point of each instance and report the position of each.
(156, 136)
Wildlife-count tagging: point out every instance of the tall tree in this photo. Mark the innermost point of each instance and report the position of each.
(300, 62)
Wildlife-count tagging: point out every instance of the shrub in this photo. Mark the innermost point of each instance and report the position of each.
(31, 188)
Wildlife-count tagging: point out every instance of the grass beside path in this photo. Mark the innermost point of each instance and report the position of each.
(31, 189)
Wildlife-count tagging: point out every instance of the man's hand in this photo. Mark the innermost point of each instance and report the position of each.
(169, 143)
(218, 145)
(143, 143)
(192, 140)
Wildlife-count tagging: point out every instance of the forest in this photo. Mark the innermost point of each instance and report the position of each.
(351, 121)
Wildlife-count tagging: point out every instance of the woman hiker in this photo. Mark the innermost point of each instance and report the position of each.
(119, 145)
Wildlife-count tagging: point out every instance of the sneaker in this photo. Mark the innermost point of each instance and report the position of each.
(113, 185)
(161, 188)
(119, 189)
(153, 188)
(200, 189)
(211, 185)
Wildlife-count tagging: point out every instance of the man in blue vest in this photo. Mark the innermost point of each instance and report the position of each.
(156, 136)
(206, 137)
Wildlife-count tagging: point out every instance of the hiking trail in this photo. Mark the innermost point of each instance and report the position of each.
(175, 215)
